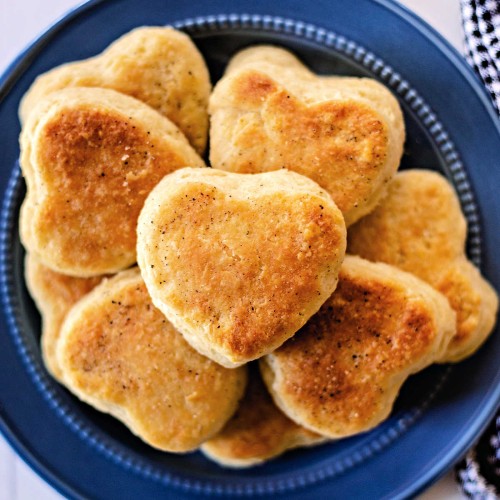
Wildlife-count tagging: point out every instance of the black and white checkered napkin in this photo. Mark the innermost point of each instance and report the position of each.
(479, 472)
(481, 21)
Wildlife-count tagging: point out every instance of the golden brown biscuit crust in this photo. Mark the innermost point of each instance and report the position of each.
(258, 431)
(159, 66)
(120, 354)
(419, 227)
(239, 262)
(342, 372)
(90, 158)
(269, 112)
(54, 295)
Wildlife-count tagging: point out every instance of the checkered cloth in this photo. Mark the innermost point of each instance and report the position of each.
(481, 22)
(479, 472)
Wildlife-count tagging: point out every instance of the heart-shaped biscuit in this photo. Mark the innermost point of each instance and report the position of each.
(341, 373)
(270, 112)
(54, 294)
(258, 431)
(238, 262)
(157, 65)
(420, 228)
(90, 157)
(118, 353)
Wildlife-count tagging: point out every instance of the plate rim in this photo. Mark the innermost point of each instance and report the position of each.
(24, 60)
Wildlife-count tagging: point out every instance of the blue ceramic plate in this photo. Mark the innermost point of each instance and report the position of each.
(451, 127)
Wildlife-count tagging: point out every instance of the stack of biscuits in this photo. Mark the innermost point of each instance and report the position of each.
(275, 299)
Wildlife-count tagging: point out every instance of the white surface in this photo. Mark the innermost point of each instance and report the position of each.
(20, 22)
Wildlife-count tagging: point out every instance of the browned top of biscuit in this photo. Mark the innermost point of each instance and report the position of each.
(120, 354)
(341, 373)
(157, 65)
(54, 294)
(347, 137)
(257, 431)
(239, 262)
(90, 157)
(420, 228)
(344, 133)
